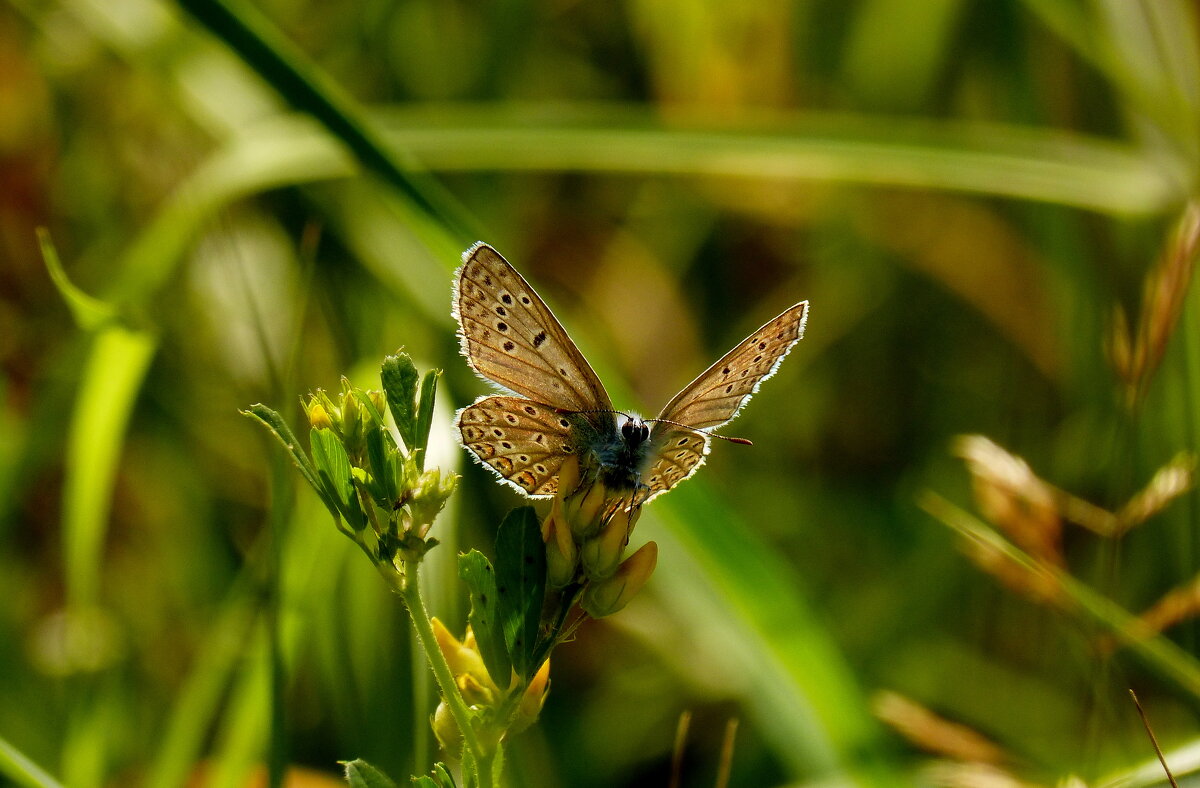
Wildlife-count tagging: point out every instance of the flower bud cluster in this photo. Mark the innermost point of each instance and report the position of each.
(586, 534)
(367, 478)
(350, 415)
(481, 694)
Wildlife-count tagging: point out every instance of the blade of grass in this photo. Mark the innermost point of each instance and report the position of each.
(1153, 739)
(1024, 163)
(23, 771)
(1021, 162)
(89, 312)
(199, 699)
(796, 683)
(1009, 161)
(109, 385)
(243, 732)
(305, 86)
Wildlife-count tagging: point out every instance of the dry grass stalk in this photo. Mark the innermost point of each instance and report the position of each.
(1179, 604)
(1031, 511)
(933, 733)
(1136, 357)
(725, 767)
(1012, 497)
(1034, 581)
(1171, 481)
(681, 735)
(1153, 739)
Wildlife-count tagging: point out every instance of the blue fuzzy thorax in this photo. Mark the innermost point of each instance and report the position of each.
(614, 449)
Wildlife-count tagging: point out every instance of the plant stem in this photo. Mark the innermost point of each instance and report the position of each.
(410, 592)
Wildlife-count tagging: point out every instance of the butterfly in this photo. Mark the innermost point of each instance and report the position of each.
(510, 337)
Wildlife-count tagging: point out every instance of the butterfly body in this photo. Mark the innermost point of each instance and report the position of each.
(619, 456)
(511, 338)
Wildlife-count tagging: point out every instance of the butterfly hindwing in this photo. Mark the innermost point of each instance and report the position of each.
(511, 337)
(524, 442)
(675, 455)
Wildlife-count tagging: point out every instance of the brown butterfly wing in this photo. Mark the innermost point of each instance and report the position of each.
(676, 455)
(715, 397)
(720, 391)
(511, 337)
(523, 442)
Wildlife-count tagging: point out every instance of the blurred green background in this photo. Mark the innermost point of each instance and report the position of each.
(965, 191)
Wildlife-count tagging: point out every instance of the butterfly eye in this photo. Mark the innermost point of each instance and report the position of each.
(634, 433)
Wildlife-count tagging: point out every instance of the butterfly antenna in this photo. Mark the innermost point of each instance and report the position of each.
(741, 441)
(565, 412)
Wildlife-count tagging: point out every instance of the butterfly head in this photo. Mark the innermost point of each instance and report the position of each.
(633, 430)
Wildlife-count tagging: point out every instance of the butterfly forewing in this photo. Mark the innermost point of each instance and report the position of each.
(511, 338)
(720, 391)
(524, 442)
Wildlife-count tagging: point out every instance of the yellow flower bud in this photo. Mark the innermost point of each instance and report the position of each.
(353, 421)
(463, 658)
(568, 476)
(583, 509)
(533, 699)
(318, 417)
(606, 597)
(379, 400)
(602, 553)
(476, 692)
(322, 413)
(446, 729)
(561, 554)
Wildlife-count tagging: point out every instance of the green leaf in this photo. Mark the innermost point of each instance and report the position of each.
(425, 782)
(280, 429)
(425, 415)
(368, 404)
(361, 774)
(89, 312)
(443, 774)
(399, 377)
(383, 471)
(333, 468)
(520, 585)
(476, 571)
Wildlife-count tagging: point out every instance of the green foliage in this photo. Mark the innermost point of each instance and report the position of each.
(360, 774)
(486, 618)
(336, 477)
(411, 406)
(520, 586)
(399, 376)
(276, 425)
